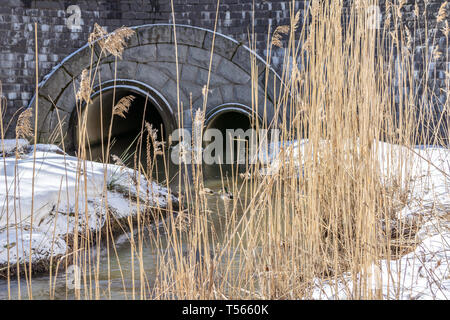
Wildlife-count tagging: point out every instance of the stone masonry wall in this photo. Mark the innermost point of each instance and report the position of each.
(62, 29)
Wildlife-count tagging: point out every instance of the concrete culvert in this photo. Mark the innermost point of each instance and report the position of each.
(173, 81)
(147, 107)
(234, 122)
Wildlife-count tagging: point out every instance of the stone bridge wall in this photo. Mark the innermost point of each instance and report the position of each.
(62, 29)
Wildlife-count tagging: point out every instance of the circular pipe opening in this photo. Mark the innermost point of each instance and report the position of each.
(231, 121)
(147, 106)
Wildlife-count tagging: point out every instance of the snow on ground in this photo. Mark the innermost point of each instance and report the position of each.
(59, 192)
(8, 145)
(425, 272)
(421, 274)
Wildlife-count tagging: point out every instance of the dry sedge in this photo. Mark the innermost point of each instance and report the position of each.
(197, 134)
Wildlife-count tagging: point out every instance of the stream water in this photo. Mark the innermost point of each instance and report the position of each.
(113, 283)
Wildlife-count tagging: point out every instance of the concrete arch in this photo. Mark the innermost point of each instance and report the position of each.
(149, 68)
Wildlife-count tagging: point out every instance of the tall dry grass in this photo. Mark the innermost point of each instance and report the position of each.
(323, 215)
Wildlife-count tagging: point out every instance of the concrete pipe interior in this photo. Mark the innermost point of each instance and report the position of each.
(125, 131)
(229, 118)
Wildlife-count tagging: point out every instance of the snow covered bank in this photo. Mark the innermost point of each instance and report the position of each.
(425, 272)
(68, 193)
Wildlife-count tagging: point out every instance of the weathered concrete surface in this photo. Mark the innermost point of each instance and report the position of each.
(57, 39)
(236, 18)
(150, 59)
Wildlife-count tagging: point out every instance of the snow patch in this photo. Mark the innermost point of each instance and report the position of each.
(68, 193)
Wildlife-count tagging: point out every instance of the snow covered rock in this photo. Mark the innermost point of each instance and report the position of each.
(8, 146)
(44, 202)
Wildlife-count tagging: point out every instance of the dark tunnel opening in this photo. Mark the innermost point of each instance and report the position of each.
(232, 145)
(125, 132)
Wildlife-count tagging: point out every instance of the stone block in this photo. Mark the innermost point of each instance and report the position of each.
(169, 69)
(214, 79)
(104, 73)
(243, 57)
(233, 72)
(67, 100)
(82, 59)
(227, 92)
(54, 86)
(59, 124)
(167, 53)
(155, 34)
(201, 57)
(273, 83)
(214, 99)
(170, 93)
(142, 54)
(151, 76)
(190, 36)
(125, 70)
(223, 46)
(45, 108)
(191, 89)
(189, 73)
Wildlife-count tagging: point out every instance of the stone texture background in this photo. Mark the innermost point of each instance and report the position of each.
(149, 62)
(56, 40)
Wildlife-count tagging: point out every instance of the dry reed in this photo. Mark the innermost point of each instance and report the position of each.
(324, 216)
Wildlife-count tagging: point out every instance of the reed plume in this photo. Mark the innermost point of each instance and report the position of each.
(446, 29)
(437, 54)
(399, 8)
(442, 13)
(296, 21)
(122, 107)
(85, 90)
(152, 139)
(278, 35)
(284, 30)
(115, 42)
(97, 33)
(23, 128)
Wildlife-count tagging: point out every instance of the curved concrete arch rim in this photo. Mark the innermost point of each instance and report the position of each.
(71, 65)
(230, 107)
(87, 45)
(161, 104)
